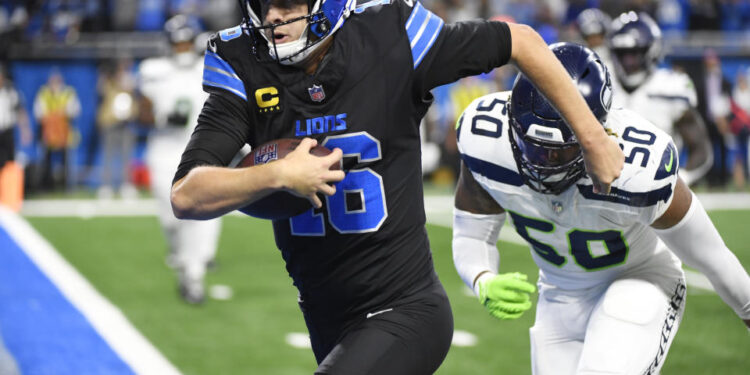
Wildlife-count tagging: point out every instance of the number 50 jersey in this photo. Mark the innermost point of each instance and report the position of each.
(578, 238)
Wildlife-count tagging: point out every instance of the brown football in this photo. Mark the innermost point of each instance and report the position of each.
(281, 204)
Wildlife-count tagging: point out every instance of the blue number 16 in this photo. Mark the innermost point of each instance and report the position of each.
(363, 186)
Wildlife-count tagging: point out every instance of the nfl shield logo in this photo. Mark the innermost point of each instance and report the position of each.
(316, 93)
(266, 154)
(557, 207)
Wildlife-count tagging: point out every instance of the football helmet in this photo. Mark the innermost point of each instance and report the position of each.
(181, 31)
(546, 150)
(323, 19)
(593, 21)
(635, 43)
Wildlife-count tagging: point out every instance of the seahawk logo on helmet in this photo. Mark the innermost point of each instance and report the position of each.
(324, 18)
(547, 153)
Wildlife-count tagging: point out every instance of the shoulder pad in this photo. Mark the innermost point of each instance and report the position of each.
(221, 63)
(648, 178)
(673, 85)
(482, 135)
(370, 5)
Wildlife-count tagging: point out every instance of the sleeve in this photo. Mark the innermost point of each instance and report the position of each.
(219, 76)
(696, 242)
(221, 132)
(459, 50)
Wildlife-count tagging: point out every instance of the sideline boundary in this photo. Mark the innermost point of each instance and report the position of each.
(111, 324)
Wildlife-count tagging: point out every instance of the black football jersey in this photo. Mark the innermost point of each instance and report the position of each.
(367, 245)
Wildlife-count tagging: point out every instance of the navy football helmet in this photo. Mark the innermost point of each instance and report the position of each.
(546, 150)
(635, 43)
(593, 21)
(324, 18)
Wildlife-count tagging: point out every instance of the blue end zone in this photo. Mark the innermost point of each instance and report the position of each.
(43, 331)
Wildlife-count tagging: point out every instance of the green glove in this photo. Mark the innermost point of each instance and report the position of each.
(506, 296)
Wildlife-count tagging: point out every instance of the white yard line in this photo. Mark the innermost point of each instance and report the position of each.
(107, 319)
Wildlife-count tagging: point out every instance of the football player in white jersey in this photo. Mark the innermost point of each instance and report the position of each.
(611, 286)
(665, 97)
(173, 85)
(594, 25)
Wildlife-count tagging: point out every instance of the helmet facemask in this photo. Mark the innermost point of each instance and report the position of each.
(547, 164)
(318, 26)
(547, 153)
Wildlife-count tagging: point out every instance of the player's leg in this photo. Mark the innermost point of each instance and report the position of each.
(631, 328)
(559, 329)
(197, 246)
(407, 339)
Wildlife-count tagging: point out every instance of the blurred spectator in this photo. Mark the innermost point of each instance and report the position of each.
(13, 18)
(664, 96)
(56, 106)
(220, 14)
(740, 125)
(735, 15)
(718, 109)
(12, 116)
(705, 15)
(673, 15)
(593, 25)
(116, 112)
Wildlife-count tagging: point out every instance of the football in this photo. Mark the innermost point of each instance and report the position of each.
(281, 204)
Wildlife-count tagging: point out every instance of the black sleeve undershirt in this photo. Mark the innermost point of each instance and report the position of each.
(223, 128)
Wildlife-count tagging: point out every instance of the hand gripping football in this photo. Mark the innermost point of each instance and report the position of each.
(280, 204)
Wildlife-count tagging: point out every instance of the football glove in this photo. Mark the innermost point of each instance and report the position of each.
(506, 296)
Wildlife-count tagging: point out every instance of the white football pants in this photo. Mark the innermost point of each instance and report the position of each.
(193, 242)
(625, 327)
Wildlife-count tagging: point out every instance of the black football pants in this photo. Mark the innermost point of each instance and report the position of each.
(411, 338)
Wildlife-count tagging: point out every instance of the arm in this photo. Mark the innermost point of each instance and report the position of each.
(693, 132)
(604, 159)
(477, 219)
(207, 192)
(205, 188)
(687, 230)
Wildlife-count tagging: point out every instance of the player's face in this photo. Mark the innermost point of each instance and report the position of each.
(632, 61)
(289, 32)
(548, 157)
(595, 40)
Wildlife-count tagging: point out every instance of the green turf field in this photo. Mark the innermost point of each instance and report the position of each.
(124, 259)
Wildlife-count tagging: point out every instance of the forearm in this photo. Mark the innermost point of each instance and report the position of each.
(207, 192)
(534, 58)
(474, 244)
(696, 242)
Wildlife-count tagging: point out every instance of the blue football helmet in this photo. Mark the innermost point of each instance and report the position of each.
(324, 18)
(635, 43)
(593, 21)
(546, 150)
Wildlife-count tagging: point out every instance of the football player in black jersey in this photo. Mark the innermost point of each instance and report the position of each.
(356, 78)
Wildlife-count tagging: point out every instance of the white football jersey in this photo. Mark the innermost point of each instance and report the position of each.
(662, 99)
(580, 239)
(173, 89)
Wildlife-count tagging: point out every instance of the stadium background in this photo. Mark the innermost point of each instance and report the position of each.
(118, 247)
